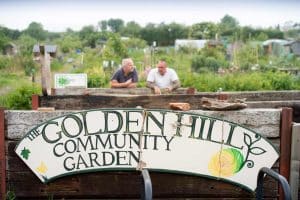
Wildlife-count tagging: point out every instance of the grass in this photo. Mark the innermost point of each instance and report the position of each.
(10, 81)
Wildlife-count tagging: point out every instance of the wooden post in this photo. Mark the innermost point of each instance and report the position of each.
(285, 145)
(46, 74)
(295, 161)
(35, 102)
(2, 157)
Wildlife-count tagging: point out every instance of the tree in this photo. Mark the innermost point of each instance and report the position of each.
(114, 50)
(115, 25)
(69, 42)
(3, 41)
(135, 43)
(228, 26)
(89, 36)
(103, 25)
(132, 29)
(9, 33)
(177, 31)
(26, 44)
(205, 30)
(274, 33)
(35, 30)
(149, 33)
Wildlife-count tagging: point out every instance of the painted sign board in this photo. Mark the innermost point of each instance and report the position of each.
(70, 80)
(161, 140)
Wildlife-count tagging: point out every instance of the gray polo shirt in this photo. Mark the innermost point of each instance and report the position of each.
(121, 78)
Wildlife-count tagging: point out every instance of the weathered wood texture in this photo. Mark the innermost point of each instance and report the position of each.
(285, 150)
(127, 185)
(254, 100)
(295, 162)
(250, 96)
(2, 156)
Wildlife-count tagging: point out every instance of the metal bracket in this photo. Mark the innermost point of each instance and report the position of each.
(146, 193)
(285, 186)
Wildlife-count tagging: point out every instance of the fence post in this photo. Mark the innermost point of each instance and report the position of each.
(285, 145)
(2, 156)
(295, 161)
(35, 102)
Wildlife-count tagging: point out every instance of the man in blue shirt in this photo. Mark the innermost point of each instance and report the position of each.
(126, 76)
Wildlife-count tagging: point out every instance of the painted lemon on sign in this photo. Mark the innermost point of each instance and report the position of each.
(226, 163)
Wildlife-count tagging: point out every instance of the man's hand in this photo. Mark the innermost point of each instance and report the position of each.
(157, 90)
(169, 89)
(128, 82)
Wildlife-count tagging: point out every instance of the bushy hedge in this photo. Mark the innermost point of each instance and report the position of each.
(251, 81)
(20, 98)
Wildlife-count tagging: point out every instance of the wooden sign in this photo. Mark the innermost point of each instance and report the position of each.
(70, 80)
(160, 140)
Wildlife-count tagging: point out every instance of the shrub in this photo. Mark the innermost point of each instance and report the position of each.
(30, 67)
(96, 81)
(21, 97)
(212, 63)
(281, 81)
(5, 62)
(197, 62)
(56, 65)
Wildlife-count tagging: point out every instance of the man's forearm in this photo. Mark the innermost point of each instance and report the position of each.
(117, 85)
(175, 84)
(150, 85)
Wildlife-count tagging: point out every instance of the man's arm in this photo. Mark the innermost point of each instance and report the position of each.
(116, 84)
(132, 85)
(152, 85)
(175, 85)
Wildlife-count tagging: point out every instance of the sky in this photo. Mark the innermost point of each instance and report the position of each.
(58, 15)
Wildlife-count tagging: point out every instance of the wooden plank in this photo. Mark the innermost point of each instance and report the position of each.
(250, 96)
(127, 185)
(2, 156)
(295, 161)
(285, 144)
(102, 91)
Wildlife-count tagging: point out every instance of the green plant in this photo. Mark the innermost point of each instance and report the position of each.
(10, 195)
(21, 97)
(197, 63)
(95, 81)
(56, 65)
(5, 62)
(30, 67)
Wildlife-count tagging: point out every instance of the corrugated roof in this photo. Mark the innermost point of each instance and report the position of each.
(278, 41)
(193, 43)
(48, 48)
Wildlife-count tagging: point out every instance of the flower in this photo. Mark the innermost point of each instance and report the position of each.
(226, 163)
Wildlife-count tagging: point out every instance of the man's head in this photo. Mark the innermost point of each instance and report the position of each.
(127, 65)
(162, 67)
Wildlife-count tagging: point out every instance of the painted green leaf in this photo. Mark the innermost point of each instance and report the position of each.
(25, 153)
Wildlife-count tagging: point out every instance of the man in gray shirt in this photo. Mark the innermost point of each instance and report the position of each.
(126, 76)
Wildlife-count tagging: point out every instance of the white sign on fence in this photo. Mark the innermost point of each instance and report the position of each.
(116, 139)
(70, 80)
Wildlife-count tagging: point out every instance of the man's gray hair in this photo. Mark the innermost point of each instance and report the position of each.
(125, 61)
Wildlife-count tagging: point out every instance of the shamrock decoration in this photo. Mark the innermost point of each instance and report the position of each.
(25, 153)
